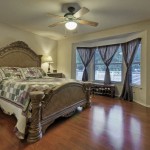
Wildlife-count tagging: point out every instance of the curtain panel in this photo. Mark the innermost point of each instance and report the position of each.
(107, 53)
(86, 54)
(128, 49)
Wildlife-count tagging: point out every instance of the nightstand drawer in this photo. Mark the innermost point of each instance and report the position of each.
(56, 75)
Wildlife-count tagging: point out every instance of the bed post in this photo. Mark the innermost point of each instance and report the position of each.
(35, 131)
(87, 86)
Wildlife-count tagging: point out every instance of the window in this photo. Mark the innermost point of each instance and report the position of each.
(79, 67)
(99, 67)
(136, 67)
(115, 67)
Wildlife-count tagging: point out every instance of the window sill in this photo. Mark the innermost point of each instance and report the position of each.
(117, 82)
(136, 86)
(113, 82)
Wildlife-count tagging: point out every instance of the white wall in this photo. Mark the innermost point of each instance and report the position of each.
(142, 29)
(40, 45)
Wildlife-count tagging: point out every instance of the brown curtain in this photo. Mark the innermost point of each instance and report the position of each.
(128, 50)
(107, 53)
(86, 54)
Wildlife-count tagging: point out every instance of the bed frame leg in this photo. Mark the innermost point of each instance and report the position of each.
(35, 130)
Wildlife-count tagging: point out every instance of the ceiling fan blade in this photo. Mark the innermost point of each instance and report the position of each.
(81, 12)
(52, 15)
(57, 23)
(91, 23)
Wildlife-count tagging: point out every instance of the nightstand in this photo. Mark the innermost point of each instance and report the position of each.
(56, 75)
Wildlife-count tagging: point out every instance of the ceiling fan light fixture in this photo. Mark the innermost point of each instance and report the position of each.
(71, 25)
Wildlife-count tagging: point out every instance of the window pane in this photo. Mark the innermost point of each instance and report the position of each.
(137, 57)
(136, 67)
(118, 56)
(116, 72)
(115, 68)
(98, 59)
(78, 59)
(100, 72)
(136, 74)
(79, 71)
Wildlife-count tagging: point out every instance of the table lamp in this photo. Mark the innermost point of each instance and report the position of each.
(49, 60)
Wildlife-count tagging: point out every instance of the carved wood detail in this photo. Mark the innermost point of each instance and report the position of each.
(35, 129)
(20, 46)
(87, 87)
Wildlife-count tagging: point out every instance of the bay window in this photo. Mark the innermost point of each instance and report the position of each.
(115, 67)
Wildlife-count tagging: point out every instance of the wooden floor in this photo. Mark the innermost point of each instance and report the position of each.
(110, 124)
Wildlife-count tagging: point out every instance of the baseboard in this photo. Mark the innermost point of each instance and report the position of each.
(141, 103)
(117, 96)
(136, 102)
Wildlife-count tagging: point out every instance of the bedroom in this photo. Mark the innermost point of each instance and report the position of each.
(60, 48)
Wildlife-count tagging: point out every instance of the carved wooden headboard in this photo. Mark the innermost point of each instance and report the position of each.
(19, 54)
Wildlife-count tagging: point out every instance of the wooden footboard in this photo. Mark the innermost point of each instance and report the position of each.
(52, 104)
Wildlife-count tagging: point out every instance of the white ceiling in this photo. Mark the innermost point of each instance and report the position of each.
(31, 15)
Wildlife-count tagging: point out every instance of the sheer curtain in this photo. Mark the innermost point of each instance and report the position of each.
(86, 54)
(107, 53)
(128, 50)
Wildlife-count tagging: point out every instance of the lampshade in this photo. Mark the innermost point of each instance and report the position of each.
(71, 25)
(47, 59)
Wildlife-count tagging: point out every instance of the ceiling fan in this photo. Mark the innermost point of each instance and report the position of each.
(71, 18)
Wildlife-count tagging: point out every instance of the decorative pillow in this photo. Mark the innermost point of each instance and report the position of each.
(41, 71)
(11, 72)
(33, 72)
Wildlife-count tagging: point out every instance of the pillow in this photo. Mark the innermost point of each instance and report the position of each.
(11, 72)
(33, 72)
(41, 71)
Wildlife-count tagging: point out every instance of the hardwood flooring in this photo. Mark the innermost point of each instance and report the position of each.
(110, 124)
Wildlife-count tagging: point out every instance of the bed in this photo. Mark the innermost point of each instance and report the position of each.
(39, 99)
